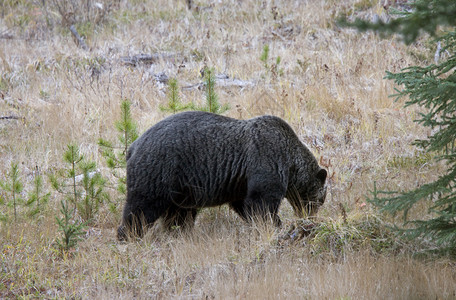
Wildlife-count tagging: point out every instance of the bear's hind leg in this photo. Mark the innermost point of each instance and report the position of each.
(239, 208)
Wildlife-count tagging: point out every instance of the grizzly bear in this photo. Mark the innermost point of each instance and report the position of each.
(193, 160)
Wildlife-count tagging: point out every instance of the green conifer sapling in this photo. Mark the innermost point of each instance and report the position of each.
(115, 155)
(36, 195)
(14, 186)
(212, 104)
(174, 104)
(71, 230)
(71, 191)
(93, 184)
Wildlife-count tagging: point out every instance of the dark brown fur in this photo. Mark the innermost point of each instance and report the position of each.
(193, 160)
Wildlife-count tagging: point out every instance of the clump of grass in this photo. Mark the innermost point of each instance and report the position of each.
(364, 231)
(365, 4)
(4, 83)
(336, 238)
(417, 160)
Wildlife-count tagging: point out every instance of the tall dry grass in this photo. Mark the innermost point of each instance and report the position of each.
(220, 259)
(331, 91)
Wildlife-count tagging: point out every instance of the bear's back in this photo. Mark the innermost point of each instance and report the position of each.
(208, 134)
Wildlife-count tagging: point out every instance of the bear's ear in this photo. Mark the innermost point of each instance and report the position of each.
(321, 175)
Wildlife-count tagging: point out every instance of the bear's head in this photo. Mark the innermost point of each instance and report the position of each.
(307, 196)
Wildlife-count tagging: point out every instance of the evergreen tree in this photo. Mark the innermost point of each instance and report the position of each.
(127, 129)
(265, 56)
(70, 190)
(14, 186)
(36, 196)
(93, 184)
(115, 155)
(174, 104)
(212, 104)
(272, 69)
(433, 88)
(85, 190)
(70, 228)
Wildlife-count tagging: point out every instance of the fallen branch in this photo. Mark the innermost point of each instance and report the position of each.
(233, 83)
(10, 118)
(222, 82)
(147, 59)
(80, 40)
(6, 35)
(196, 86)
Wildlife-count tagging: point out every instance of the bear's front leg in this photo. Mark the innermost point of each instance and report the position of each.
(263, 200)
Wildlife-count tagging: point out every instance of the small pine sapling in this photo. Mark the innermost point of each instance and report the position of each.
(127, 128)
(128, 133)
(272, 69)
(36, 199)
(71, 230)
(116, 155)
(276, 72)
(3, 216)
(71, 190)
(93, 184)
(265, 56)
(174, 104)
(85, 191)
(13, 186)
(212, 104)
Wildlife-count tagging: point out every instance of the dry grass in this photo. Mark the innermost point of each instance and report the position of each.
(218, 260)
(331, 91)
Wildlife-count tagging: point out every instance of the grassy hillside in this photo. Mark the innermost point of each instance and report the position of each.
(327, 84)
